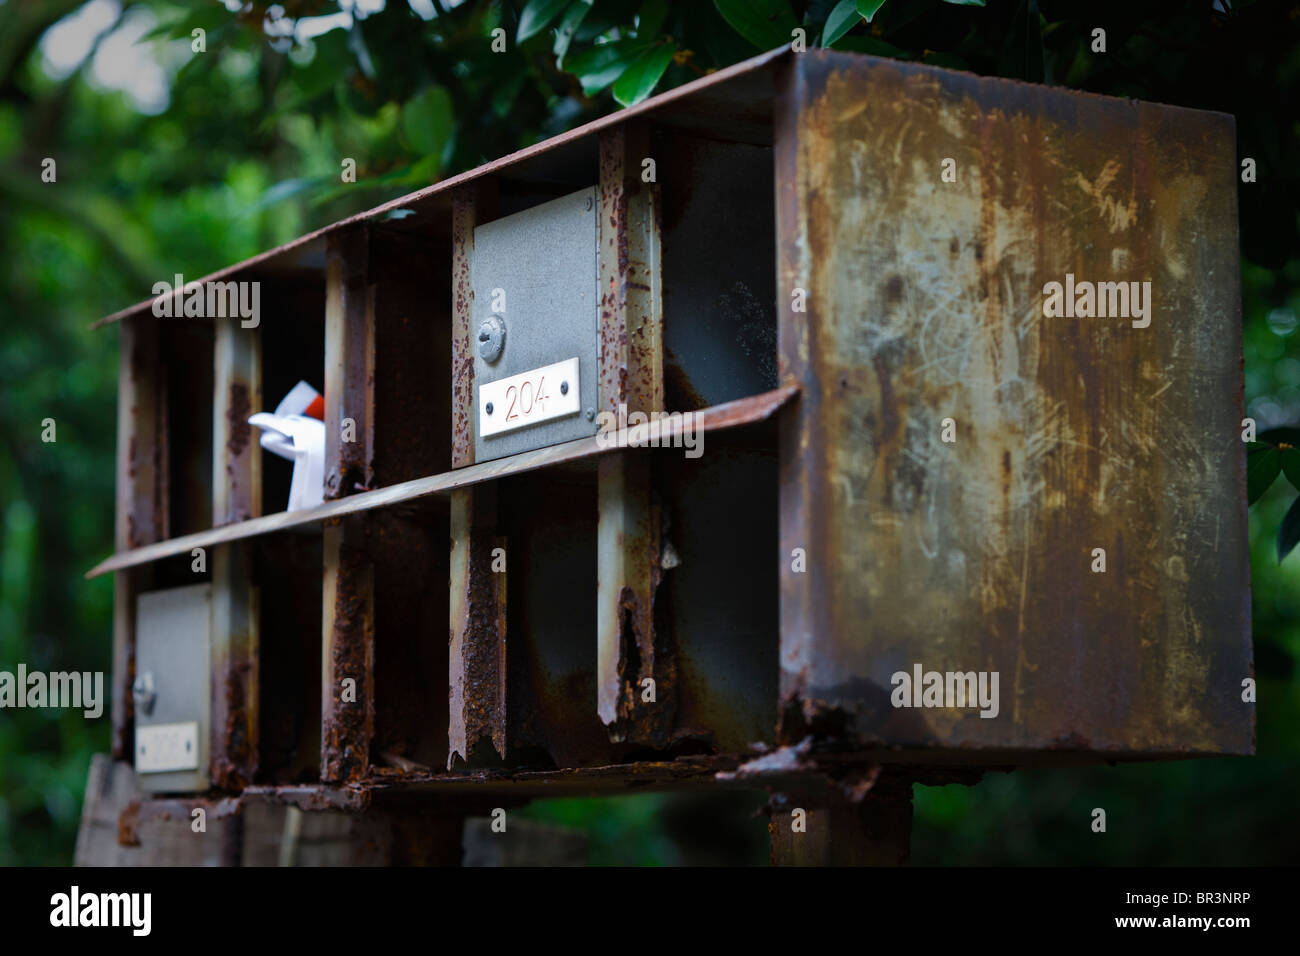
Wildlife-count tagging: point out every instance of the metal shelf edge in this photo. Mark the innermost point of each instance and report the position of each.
(744, 411)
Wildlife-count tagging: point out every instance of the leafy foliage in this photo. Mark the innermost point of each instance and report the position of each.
(245, 153)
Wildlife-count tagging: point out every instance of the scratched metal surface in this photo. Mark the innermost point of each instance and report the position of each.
(925, 302)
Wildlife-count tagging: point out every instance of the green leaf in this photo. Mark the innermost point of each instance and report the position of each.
(1291, 465)
(573, 18)
(1289, 533)
(601, 65)
(329, 65)
(287, 189)
(1033, 71)
(650, 19)
(640, 78)
(209, 19)
(872, 45)
(537, 16)
(840, 21)
(866, 9)
(1261, 468)
(1284, 433)
(764, 23)
(427, 121)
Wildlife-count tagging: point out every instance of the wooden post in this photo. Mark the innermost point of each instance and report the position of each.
(631, 380)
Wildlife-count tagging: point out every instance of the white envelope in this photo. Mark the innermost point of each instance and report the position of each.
(300, 440)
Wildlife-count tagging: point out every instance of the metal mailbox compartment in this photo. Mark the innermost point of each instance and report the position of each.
(800, 267)
(171, 688)
(535, 360)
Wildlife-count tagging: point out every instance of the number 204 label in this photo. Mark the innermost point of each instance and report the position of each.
(528, 398)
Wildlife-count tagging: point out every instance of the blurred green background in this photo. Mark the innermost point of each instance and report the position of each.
(171, 160)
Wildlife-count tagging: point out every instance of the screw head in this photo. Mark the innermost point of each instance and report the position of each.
(564, 388)
(491, 338)
(489, 408)
(591, 414)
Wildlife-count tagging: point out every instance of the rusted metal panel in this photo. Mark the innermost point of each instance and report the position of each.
(731, 103)
(925, 302)
(412, 354)
(719, 600)
(289, 566)
(463, 220)
(631, 295)
(348, 653)
(477, 649)
(347, 624)
(137, 513)
(551, 657)
(234, 668)
(185, 427)
(477, 619)
(237, 394)
(471, 204)
(630, 382)
(236, 496)
(408, 544)
(719, 245)
(349, 365)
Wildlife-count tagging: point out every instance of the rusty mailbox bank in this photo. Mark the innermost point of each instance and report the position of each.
(826, 424)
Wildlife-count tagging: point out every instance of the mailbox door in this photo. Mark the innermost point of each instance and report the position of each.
(171, 689)
(534, 326)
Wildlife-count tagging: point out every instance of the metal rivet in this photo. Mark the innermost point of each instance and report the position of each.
(489, 408)
(564, 388)
(591, 414)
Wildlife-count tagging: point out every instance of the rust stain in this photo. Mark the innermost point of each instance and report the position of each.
(478, 628)
(347, 725)
(1051, 457)
(238, 408)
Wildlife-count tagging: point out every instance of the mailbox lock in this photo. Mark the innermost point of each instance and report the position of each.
(143, 692)
(491, 338)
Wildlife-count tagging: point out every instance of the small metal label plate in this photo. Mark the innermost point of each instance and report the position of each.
(163, 747)
(539, 395)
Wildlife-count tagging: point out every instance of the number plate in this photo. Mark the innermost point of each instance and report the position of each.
(528, 398)
(163, 747)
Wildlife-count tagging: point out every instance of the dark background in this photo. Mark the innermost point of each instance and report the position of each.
(174, 161)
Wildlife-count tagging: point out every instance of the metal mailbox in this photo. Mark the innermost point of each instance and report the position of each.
(937, 523)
